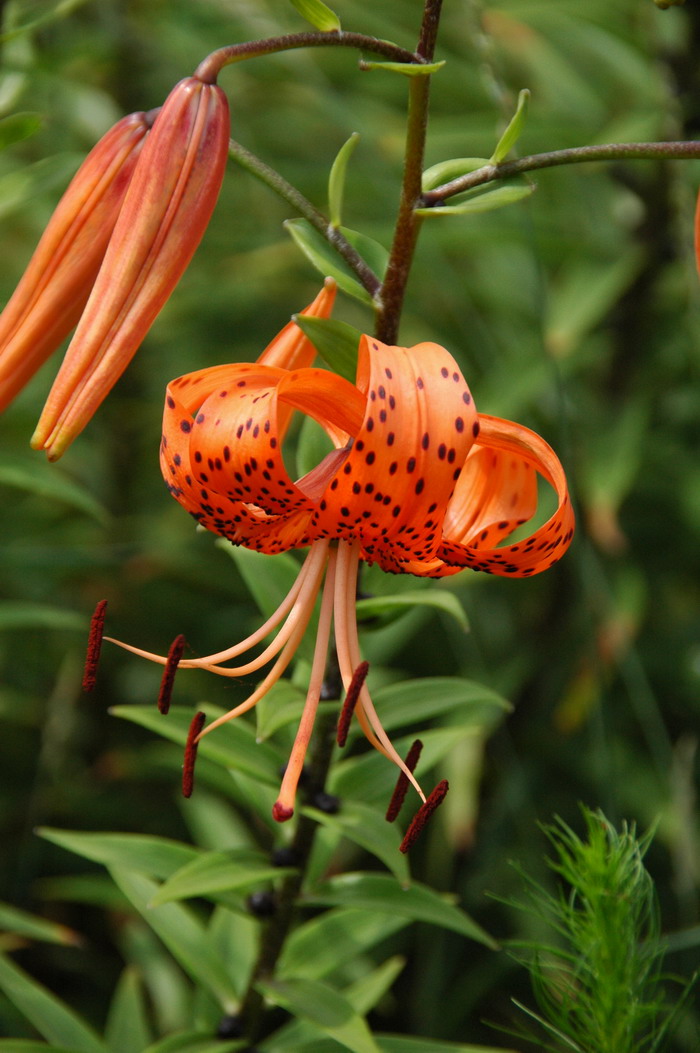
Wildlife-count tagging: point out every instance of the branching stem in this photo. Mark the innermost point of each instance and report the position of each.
(305, 208)
(666, 151)
(408, 223)
(209, 69)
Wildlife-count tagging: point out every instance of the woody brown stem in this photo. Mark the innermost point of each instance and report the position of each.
(407, 222)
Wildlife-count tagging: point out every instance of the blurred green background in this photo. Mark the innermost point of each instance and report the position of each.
(576, 313)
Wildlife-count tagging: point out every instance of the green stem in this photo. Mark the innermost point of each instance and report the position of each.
(407, 222)
(304, 207)
(252, 1011)
(667, 151)
(209, 69)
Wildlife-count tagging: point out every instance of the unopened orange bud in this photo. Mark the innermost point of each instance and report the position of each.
(168, 205)
(55, 287)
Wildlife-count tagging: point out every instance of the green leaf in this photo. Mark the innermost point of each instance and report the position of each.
(324, 1007)
(370, 777)
(412, 701)
(336, 342)
(267, 578)
(336, 179)
(363, 995)
(367, 828)
(446, 171)
(326, 260)
(51, 1017)
(181, 932)
(50, 11)
(218, 872)
(380, 892)
(401, 1044)
(318, 14)
(28, 1045)
(17, 614)
(408, 69)
(157, 856)
(482, 199)
(514, 129)
(48, 481)
(320, 946)
(386, 607)
(196, 1042)
(281, 705)
(127, 1029)
(233, 745)
(18, 126)
(20, 923)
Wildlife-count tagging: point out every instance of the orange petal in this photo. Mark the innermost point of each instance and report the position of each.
(225, 466)
(291, 349)
(55, 287)
(510, 451)
(418, 426)
(165, 213)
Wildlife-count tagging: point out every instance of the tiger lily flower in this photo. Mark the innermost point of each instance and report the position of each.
(417, 482)
(54, 289)
(109, 261)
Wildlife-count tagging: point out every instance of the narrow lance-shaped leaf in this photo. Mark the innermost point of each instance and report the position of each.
(482, 200)
(408, 69)
(513, 131)
(51, 1017)
(336, 342)
(327, 261)
(381, 892)
(336, 180)
(325, 1007)
(127, 1029)
(318, 14)
(446, 171)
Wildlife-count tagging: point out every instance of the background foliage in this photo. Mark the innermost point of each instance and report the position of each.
(575, 313)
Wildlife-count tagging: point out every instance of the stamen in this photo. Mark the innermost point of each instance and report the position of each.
(191, 754)
(296, 601)
(351, 697)
(402, 784)
(94, 646)
(168, 679)
(423, 814)
(283, 808)
(349, 657)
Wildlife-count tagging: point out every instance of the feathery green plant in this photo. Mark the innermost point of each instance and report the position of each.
(598, 984)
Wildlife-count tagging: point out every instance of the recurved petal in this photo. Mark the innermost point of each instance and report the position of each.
(55, 287)
(164, 215)
(221, 457)
(495, 495)
(291, 349)
(392, 491)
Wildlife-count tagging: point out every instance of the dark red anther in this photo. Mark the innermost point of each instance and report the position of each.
(402, 784)
(423, 814)
(351, 697)
(92, 658)
(191, 754)
(168, 680)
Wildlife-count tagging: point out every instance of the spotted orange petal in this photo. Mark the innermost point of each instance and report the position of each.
(495, 495)
(418, 426)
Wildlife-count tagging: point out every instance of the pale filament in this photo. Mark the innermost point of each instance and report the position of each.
(296, 601)
(287, 793)
(349, 655)
(274, 674)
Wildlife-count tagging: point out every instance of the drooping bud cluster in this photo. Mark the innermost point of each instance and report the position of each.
(114, 250)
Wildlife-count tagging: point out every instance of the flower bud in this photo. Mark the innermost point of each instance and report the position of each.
(166, 210)
(54, 289)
